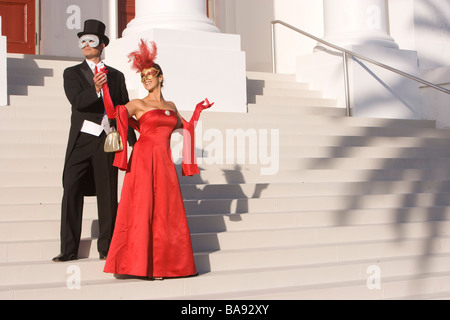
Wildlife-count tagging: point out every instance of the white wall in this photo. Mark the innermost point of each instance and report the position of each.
(423, 26)
(303, 14)
(251, 19)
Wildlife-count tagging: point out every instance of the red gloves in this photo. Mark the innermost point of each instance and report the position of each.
(205, 104)
(107, 101)
(189, 163)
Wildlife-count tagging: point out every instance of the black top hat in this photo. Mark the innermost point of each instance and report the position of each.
(96, 27)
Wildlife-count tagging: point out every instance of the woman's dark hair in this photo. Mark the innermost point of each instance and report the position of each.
(158, 67)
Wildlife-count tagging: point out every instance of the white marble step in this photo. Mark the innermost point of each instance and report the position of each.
(53, 178)
(55, 164)
(53, 194)
(26, 136)
(233, 148)
(260, 235)
(396, 288)
(96, 285)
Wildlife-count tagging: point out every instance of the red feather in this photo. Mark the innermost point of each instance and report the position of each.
(144, 57)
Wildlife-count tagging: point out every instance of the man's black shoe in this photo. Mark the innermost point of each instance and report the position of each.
(65, 257)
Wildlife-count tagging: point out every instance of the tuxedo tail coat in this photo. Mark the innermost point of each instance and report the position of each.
(86, 105)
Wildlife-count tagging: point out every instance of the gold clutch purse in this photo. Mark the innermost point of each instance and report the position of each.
(113, 142)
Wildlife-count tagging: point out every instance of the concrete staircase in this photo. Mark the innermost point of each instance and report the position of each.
(353, 209)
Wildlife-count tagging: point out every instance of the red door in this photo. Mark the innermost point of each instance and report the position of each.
(18, 25)
(126, 10)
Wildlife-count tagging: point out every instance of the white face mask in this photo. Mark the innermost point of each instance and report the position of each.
(90, 39)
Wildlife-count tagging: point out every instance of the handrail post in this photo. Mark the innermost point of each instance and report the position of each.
(346, 83)
(274, 67)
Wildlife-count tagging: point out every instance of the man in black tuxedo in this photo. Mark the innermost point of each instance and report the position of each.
(88, 170)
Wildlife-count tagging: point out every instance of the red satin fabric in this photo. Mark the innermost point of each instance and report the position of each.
(122, 122)
(107, 101)
(189, 165)
(189, 159)
(151, 236)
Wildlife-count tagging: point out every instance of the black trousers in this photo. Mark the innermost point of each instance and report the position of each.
(88, 157)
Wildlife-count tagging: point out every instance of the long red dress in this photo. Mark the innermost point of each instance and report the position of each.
(151, 236)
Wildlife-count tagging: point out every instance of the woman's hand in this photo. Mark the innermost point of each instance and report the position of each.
(205, 104)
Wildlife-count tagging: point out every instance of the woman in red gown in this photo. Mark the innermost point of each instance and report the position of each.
(151, 236)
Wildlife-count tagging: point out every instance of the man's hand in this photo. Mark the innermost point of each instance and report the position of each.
(99, 81)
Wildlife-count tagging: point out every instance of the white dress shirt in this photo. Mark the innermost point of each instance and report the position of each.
(89, 126)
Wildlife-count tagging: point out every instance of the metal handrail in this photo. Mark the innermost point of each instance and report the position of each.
(345, 53)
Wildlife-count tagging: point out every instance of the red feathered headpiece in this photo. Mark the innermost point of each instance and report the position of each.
(144, 57)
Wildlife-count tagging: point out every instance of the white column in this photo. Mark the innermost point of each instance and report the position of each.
(357, 22)
(3, 69)
(197, 60)
(362, 26)
(170, 14)
(112, 29)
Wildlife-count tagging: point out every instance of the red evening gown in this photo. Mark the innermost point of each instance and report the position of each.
(151, 236)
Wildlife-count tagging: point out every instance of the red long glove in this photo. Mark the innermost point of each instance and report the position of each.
(205, 104)
(189, 164)
(107, 101)
(123, 122)
(120, 158)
